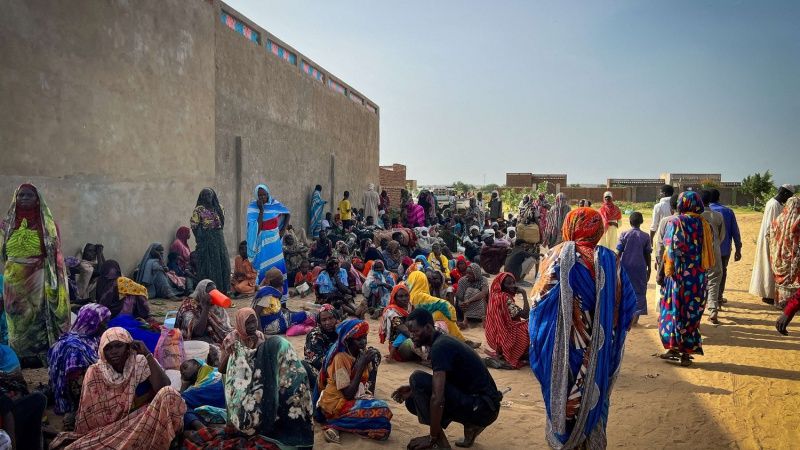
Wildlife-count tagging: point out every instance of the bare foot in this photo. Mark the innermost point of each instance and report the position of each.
(470, 433)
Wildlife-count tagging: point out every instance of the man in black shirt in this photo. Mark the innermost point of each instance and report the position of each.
(460, 389)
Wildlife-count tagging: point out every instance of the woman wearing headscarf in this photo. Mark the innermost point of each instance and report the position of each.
(35, 287)
(688, 255)
(266, 386)
(611, 215)
(583, 307)
(784, 250)
(472, 294)
(552, 234)
(266, 220)
(180, 246)
(106, 415)
(71, 356)
(106, 290)
(384, 205)
(440, 309)
(392, 326)
(243, 280)
(152, 273)
(415, 214)
(132, 312)
(208, 221)
(392, 256)
(316, 208)
(199, 319)
(294, 253)
(378, 286)
(275, 317)
(320, 339)
(346, 400)
(507, 323)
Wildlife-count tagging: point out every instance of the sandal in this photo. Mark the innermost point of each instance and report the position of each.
(671, 354)
(713, 319)
(332, 436)
(686, 360)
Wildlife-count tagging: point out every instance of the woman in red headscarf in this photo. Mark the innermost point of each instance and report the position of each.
(611, 215)
(392, 325)
(507, 323)
(35, 288)
(180, 246)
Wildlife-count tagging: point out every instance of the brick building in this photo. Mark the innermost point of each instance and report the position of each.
(392, 179)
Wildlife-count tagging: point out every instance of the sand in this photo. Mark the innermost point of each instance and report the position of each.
(743, 393)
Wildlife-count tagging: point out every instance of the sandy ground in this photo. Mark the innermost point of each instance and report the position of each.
(743, 393)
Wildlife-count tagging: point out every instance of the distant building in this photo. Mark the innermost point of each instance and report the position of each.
(690, 178)
(526, 180)
(615, 182)
(392, 180)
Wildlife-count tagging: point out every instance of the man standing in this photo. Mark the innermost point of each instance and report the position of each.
(346, 211)
(762, 283)
(661, 209)
(717, 223)
(370, 201)
(495, 207)
(731, 233)
(460, 389)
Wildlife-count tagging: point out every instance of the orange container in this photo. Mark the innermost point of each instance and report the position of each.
(220, 299)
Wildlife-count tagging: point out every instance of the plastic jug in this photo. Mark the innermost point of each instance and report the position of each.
(220, 299)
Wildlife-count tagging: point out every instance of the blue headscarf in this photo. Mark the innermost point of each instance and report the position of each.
(272, 209)
(350, 328)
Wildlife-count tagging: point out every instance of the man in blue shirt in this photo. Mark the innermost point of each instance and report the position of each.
(732, 228)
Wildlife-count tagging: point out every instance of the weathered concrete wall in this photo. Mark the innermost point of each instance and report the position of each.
(109, 108)
(121, 112)
(292, 128)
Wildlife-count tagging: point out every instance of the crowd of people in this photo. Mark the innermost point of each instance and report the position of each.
(424, 273)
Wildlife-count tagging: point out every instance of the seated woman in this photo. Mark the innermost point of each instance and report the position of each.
(438, 261)
(71, 356)
(91, 258)
(392, 327)
(294, 253)
(275, 317)
(204, 394)
(178, 277)
(152, 273)
(243, 281)
(21, 412)
(320, 339)
(332, 287)
(507, 323)
(266, 386)
(347, 402)
(321, 249)
(107, 417)
(440, 309)
(392, 256)
(200, 320)
(304, 276)
(133, 312)
(377, 287)
(436, 282)
(180, 246)
(459, 271)
(472, 294)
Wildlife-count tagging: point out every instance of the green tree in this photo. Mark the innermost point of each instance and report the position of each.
(760, 187)
(490, 187)
(460, 187)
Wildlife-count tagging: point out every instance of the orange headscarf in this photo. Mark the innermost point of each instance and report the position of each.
(584, 226)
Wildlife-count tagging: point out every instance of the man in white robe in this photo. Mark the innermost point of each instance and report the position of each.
(762, 283)
(371, 199)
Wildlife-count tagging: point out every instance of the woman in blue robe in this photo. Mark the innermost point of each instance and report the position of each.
(266, 220)
(316, 212)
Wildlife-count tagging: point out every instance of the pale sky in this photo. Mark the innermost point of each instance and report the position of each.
(471, 89)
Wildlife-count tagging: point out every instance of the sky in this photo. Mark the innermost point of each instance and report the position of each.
(470, 90)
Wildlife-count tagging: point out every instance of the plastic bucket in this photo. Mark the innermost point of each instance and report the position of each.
(169, 319)
(195, 349)
(220, 299)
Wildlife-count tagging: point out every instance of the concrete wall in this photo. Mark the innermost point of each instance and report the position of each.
(121, 112)
(108, 107)
(293, 129)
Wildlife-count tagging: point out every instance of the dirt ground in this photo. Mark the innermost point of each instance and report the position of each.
(743, 393)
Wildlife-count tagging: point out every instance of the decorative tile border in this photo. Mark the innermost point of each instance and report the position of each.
(312, 71)
(281, 52)
(239, 27)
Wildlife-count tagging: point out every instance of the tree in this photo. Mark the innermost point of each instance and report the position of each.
(760, 187)
(460, 186)
(490, 187)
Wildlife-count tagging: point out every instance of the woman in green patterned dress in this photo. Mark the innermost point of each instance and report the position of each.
(35, 289)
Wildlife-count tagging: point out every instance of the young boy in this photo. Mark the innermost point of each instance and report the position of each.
(304, 276)
(634, 250)
(345, 212)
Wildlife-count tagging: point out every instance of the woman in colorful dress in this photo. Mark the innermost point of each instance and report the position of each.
(440, 309)
(107, 416)
(784, 250)
(392, 326)
(71, 356)
(266, 220)
(507, 323)
(35, 288)
(320, 339)
(180, 246)
(208, 221)
(346, 400)
(316, 212)
(577, 333)
(275, 317)
(611, 215)
(378, 286)
(551, 236)
(200, 320)
(688, 255)
(266, 386)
